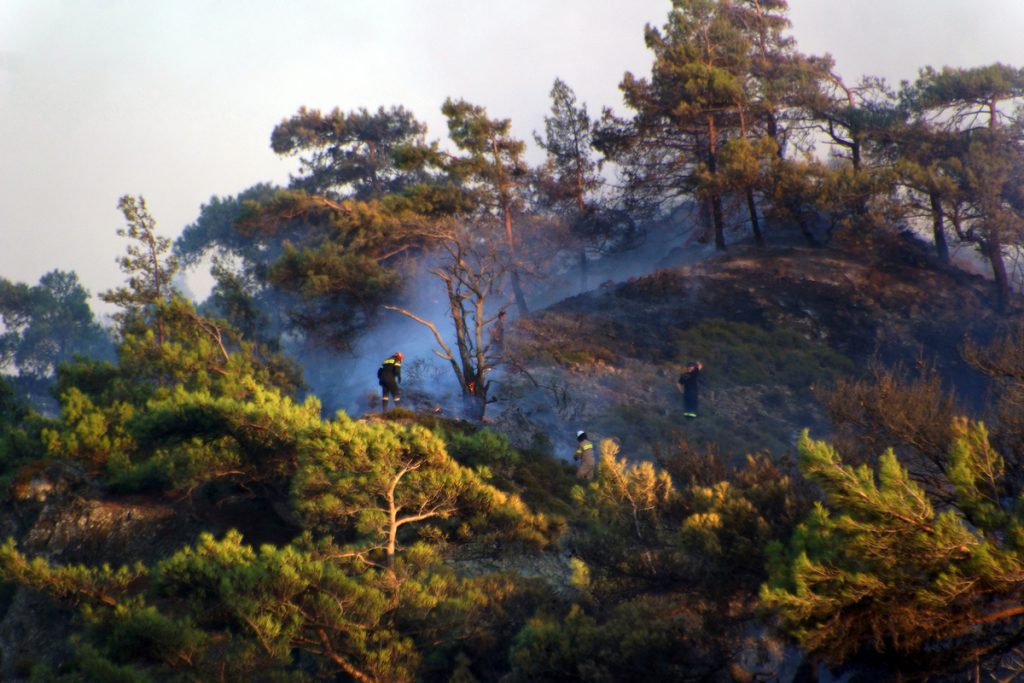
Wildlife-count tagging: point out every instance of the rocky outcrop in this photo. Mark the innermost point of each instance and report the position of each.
(70, 529)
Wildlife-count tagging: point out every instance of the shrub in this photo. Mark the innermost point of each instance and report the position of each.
(744, 354)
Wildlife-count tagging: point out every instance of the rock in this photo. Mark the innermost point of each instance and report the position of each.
(73, 530)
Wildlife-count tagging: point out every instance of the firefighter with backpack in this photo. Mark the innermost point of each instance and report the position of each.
(689, 384)
(390, 376)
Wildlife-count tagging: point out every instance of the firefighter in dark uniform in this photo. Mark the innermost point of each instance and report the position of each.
(689, 384)
(390, 376)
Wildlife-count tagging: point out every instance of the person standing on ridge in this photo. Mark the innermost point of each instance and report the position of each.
(585, 455)
(689, 384)
(390, 376)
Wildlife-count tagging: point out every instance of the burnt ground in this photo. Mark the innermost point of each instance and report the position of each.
(773, 328)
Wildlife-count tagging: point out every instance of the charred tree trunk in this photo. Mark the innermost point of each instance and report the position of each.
(939, 227)
(796, 210)
(474, 407)
(581, 212)
(583, 269)
(755, 223)
(517, 291)
(719, 217)
(994, 252)
(717, 214)
(517, 288)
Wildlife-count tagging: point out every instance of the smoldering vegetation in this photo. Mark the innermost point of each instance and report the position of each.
(224, 499)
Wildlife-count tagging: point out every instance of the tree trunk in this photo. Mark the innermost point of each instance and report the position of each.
(939, 228)
(392, 531)
(706, 221)
(994, 252)
(517, 288)
(755, 224)
(583, 269)
(794, 207)
(717, 215)
(474, 407)
(773, 133)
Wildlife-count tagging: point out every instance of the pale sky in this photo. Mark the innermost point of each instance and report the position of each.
(176, 100)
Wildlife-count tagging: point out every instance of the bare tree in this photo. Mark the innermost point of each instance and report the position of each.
(472, 264)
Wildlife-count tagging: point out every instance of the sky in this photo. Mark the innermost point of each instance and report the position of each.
(175, 101)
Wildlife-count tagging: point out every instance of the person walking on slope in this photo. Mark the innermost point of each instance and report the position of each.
(390, 376)
(585, 456)
(689, 384)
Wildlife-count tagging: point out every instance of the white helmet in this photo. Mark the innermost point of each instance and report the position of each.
(580, 433)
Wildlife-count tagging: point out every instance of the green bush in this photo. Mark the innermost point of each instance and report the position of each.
(652, 638)
(744, 354)
(484, 448)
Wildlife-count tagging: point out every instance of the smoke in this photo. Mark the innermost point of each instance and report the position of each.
(670, 242)
(348, 381)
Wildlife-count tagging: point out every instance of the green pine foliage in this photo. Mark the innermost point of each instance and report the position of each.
(148, 265)
(355, 153)
(642, 530)
(414, 548)
(376, 478)
(651, 559)
(191, 437)
(649, 638)
(879, 563)
(90, 434)
(368, 597)
(337, 262)
(20, 428)
(101, 585)
(208, 424)
(368, 604)
(540, 480)
(46, 325)
(188, 399)
(245, 613)
(731, 522)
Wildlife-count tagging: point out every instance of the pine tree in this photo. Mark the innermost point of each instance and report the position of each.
(357, 154)
(494, 165)
(877, 565)
(970, 104)
(47, 324)
(568, 141)
(150, 267)
(687, 110)
(370, 600)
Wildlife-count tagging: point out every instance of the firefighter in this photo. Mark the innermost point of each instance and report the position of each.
(390, 376)
(689, 384)
(585, 455)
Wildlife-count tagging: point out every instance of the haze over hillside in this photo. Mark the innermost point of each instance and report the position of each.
(431, 421)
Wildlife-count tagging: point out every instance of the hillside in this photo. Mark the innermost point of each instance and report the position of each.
(352, 457)
(553, 563)
(772, 327)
